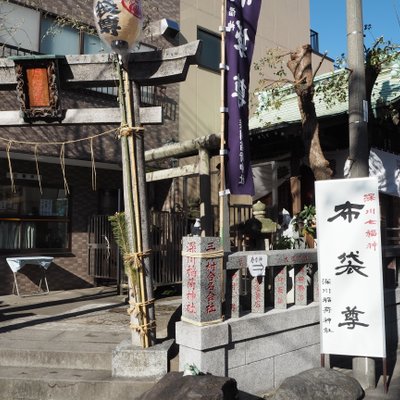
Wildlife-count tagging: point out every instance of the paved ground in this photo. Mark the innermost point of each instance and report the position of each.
(100, 306)
(76, 312)
(79, 311)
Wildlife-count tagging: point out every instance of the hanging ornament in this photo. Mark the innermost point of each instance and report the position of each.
(118, 23)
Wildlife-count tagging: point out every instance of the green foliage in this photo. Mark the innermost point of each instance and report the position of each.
(120, 232)
(283, 242)
(334, 89)
(381, 53)
(271, 91)
(305, 221)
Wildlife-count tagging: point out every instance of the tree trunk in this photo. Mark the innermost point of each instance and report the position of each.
(300, 66)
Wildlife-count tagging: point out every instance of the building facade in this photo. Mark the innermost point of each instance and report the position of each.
(48, 219)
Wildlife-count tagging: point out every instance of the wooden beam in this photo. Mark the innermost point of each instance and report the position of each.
(96, 70)
(148, 115)
(186, 170)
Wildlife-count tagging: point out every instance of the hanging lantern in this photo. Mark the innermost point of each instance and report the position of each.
(118, 23)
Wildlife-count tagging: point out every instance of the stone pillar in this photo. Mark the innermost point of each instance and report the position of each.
(280, 287)
(201, 280)
(300, 284)
(232, 298)
(315, 284)
(258, 294)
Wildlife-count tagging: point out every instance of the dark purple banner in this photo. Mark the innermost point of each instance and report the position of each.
(241, 27)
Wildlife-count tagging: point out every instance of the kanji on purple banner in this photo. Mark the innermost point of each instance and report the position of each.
(241, 27)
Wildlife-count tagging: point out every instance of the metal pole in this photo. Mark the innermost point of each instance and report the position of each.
(358, 107)
(223, 196)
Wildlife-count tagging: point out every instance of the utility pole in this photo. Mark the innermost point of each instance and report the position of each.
(358, 107)
(363, 368)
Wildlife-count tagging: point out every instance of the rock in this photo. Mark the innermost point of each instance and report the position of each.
(319, 384)
(175, 386)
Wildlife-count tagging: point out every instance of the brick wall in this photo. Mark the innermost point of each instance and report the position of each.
(153, 10)
(69, 270)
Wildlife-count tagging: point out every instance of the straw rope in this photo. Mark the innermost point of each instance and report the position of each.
(58, 143)
(62, 163)
(143, 329)
(36, 146)
(207, 254)
(13, 189)
(37, 169)
(136, 259)
(125, 130)
(136, 308)
(94, 175)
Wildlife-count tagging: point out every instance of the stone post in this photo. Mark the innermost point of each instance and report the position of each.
(300, 282)
(201, 280)
(280, 287)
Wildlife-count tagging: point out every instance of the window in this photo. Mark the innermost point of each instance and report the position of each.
(19, 26)
(92, 44)
(30, 221)
(314, 41)
(210, 55)
(56, 39)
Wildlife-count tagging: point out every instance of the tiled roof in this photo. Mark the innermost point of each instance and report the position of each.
(386, 90)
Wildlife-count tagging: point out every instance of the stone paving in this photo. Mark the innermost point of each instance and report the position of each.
(85, 313)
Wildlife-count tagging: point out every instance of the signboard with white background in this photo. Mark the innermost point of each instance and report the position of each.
(350, 267)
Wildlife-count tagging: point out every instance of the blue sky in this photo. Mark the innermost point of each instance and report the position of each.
(328, 18)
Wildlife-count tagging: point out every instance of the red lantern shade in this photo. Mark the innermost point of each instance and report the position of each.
(118, 23)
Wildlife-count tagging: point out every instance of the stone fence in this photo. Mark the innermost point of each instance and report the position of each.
(269, 332)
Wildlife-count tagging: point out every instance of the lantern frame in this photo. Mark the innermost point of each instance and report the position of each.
(38, 87)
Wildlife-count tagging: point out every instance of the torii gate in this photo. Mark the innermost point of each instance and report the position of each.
(147, 68)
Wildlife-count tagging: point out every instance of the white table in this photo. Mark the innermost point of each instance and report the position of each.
(16, 263)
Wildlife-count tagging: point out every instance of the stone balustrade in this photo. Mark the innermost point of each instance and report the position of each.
(279, 273)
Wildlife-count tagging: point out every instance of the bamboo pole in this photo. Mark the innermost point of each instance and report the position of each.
(144, 216)
(128, 198)
(136, 204)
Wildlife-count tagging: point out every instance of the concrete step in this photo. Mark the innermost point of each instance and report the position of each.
(96, 360)
(63, 349)
(22, 383)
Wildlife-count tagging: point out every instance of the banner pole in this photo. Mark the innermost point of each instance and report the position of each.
(222, 184)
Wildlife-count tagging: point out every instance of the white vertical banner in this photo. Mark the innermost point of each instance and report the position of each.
(350, 267)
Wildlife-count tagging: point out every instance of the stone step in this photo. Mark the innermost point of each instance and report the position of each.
(27, 383)
(88, 350)
(96, 360)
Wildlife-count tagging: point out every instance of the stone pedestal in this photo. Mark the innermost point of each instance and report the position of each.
(364, 371)
(201, 280)
(129, 361)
